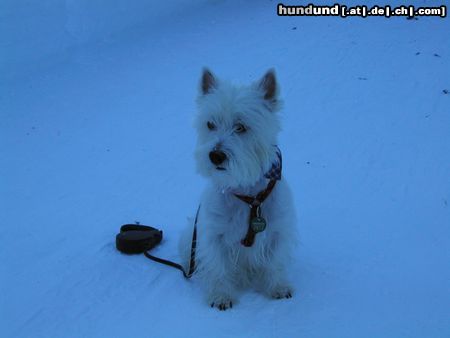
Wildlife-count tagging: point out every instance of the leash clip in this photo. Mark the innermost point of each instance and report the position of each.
(256, 203)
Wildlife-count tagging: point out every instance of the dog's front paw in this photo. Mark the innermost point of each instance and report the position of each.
(222, 302)
(223, 305)
(281, 292)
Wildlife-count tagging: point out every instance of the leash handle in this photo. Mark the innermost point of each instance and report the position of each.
(176, 265)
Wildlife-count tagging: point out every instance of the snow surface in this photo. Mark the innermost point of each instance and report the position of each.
(96, 104)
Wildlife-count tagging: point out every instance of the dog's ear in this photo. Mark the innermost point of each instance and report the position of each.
(208, 81)
(268, 85)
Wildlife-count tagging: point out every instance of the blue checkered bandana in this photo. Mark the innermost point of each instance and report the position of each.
(274, 172)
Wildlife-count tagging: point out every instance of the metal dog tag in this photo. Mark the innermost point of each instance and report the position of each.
(258, 223)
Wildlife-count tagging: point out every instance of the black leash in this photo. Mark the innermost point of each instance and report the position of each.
(136, 238)
(176, 265)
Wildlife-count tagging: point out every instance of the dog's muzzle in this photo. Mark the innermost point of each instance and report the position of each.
(217, 157)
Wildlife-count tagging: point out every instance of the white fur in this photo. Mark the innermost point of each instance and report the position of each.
(223, 264)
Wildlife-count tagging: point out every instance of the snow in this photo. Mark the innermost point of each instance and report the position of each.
(96, 103)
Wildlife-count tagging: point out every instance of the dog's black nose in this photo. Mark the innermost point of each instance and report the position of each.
(217, 157)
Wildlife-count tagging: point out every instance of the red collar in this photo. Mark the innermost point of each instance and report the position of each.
(255, 222)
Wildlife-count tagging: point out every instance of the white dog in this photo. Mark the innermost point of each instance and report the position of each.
(241, 242)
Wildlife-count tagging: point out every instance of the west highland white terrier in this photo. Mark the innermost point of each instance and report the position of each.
(246, 228)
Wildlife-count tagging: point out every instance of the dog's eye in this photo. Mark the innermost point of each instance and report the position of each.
(211, 126)
(239, 128)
